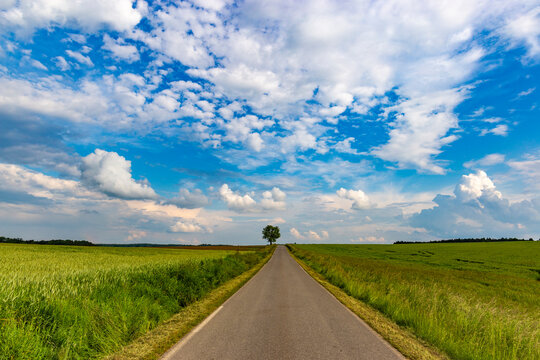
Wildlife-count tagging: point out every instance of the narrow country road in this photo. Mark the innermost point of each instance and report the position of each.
(282, 313)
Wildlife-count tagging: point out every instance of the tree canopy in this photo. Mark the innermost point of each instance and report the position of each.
(271, 233)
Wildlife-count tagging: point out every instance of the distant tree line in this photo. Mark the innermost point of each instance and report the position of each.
(469, 240)
(4, 239)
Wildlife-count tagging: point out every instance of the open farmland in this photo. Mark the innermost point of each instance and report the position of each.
(85, 302)
(470, 301)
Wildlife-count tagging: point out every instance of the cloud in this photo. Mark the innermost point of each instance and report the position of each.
(38, 65)
(276, 221)
(524, 29)
(236, 201)
(359, 199)
(193, 242)
(80, 57)
(242, 130)
(190, 200)
(273, 200)
(473, 186)
(488, 160)
(162, 211)
(301, 139)
(42, 204)
(111, 173)
(134, 235)
(528, 169)
(363, 61)
(296, 234)
(255, 142)
(178, 32)
(477, 209)
(50, 98)
(61, 63)
(211, 4)
(273, 72)
(526, 92)
(27, 15)
(269, 88)
(120, 50)
(19, 179)
(331, 171)
(309, 235)
(13, 196)
(344, 146)
(500, 130)
(188, 227)
(420, 130)
(121, 102)
(37, 143)
(368, 239)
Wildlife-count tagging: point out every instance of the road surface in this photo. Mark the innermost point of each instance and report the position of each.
(282, 313)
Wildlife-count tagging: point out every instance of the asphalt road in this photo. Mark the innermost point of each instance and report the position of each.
(282, 313)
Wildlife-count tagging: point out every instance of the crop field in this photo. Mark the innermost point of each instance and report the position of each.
(70, 302)
(470, 301)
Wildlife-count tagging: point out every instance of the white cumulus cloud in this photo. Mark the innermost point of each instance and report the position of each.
(236, 201)
(359, 199)
(473, 186)
(309, 235)
(188, 227)
(477, 209)
(120, 49)
(111, 174)
(273, 200)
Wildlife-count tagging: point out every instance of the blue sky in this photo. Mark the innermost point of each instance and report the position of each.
(202, 121)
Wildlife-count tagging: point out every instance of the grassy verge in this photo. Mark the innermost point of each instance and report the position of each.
(469, 301)
(156, 342)
(67, 302)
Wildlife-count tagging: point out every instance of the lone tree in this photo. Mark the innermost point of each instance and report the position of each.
(271, 233)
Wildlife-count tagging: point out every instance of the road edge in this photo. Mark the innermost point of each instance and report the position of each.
(402, 340)
(164, 337)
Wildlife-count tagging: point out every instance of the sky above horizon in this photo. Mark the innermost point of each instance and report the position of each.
(203, 121)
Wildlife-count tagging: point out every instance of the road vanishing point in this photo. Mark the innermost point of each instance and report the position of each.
(282, 313)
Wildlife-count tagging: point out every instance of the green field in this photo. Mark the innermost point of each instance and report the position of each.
(470, 301)
(70, 302)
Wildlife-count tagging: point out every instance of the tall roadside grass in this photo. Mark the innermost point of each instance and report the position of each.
(468, 300)
(81, 303)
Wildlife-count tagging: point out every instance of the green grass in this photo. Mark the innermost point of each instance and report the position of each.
(471, 301)
(67, 302)
(155, 343)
